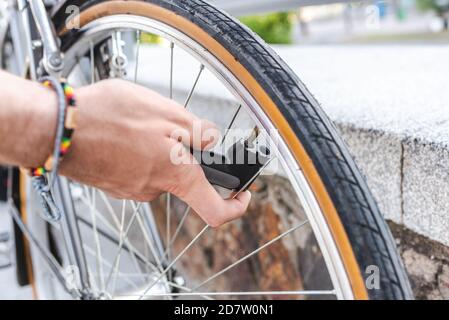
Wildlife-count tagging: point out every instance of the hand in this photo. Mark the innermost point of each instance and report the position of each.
(123, 144)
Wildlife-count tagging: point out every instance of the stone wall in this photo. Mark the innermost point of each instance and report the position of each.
(426, 261)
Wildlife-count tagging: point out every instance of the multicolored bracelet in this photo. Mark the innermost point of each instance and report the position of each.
(70, 118)
(43, 178)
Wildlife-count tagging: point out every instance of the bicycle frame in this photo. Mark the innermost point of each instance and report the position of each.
(37, 53)
(34, 39)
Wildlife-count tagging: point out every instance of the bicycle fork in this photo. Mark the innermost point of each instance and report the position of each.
(52, 61)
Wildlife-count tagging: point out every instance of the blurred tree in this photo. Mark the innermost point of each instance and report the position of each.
(427, 4)
(441, 7)
(275, 28)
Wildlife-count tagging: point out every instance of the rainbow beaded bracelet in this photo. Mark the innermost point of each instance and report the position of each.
(70, 118)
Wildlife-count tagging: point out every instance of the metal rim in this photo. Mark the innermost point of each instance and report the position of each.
(95, 29)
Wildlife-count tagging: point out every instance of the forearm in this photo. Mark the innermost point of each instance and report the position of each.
(27, 121)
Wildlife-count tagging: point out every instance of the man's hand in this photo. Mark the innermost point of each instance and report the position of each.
(123, 143)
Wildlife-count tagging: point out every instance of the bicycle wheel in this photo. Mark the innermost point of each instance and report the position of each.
(313, 229)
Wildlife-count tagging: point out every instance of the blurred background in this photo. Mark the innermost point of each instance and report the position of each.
(333, 21)
(300, 22)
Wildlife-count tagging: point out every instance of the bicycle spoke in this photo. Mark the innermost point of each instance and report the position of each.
(194, 86)
(152, 228)
(92, 62)
(117, 223)
(168, 213)
(137, 56)
(178, 229)
(175, 285)
(126, 277)
(127, 245)
(132, 251)
(172, 48)
(169, 283)
(168, 206)
(247, 293)
(176, 259)
(92, 281)
(282, 235)
(122, 239)
(149, 242)
(110, 210)
(116, 263)
(230, 124)
(107, 264)
(99, 266)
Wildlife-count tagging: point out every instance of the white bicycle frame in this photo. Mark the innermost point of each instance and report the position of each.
(31, 30)
(37, 53)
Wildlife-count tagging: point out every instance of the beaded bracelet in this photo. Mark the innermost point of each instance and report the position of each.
(64, 140)
(66, 124)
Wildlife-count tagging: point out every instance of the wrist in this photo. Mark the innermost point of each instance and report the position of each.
(72, 162)
(41, 130)
(28, 114)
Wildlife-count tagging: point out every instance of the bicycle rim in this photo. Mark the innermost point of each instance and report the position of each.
(335, 248)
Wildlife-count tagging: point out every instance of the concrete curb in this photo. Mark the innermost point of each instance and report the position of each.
(390, 104)
(409, 179)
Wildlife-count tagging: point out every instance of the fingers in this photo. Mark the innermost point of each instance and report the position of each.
(197, 133)
(193, 188)
(209, 205)
(180, 124)
(194, 132)
(183, 125)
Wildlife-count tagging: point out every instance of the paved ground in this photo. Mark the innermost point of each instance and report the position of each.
(8, 285)
(395, 89)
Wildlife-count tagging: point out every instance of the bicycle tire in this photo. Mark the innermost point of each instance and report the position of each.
(361, 233)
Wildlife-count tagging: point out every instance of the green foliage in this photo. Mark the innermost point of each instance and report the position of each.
(428, 5)
(275, 28)
(150, 38)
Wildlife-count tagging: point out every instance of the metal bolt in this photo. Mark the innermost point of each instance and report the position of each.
(55, 60)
